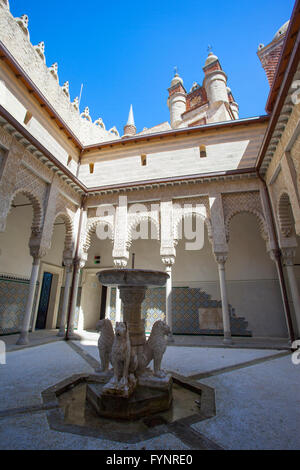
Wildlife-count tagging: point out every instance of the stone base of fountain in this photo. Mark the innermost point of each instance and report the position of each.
(130, 390)
(143, 401)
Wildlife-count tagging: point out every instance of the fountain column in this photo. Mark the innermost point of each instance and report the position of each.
(132, 298)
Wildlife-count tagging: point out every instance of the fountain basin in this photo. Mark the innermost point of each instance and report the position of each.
(132, 277)
(143, 401)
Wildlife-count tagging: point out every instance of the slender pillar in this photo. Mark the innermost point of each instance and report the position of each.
(276, 257)
(23, 338)
(168, 262)
(108, 300)
(76, 276)
(68, 280)
(118, 305)
(288, 255)
(221, 260)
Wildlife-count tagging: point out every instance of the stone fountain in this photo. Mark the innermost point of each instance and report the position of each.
(130, 389)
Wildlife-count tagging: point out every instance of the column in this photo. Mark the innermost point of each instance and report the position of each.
(118, 305)
(275, 255)
(79, 264)
(108, 300)
(288, 255)
(68, 280)
(221, 260)
(168, 262)
(23, 338)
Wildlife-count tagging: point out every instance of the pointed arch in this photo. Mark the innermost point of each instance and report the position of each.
(189, 213)
(92, 225)
(138, 218)
(38, 212)
(69, 226)
(260, 219)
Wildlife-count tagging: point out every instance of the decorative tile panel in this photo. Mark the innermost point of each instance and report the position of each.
(188, 304)
(13, 297)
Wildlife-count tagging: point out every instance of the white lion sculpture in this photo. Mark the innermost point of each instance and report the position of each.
(105, 342)
(156, 347)
(121, 355)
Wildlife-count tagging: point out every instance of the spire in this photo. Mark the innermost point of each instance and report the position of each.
(130, 128)
(130, 121)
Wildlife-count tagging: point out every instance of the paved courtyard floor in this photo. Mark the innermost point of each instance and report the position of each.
(257, 398)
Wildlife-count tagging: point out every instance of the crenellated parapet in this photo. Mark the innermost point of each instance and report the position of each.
(15, 37)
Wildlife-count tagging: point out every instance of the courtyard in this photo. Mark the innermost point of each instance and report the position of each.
(253, 393)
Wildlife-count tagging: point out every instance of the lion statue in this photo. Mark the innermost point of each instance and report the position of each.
(121, 355)
(156, 347)
(105, 343)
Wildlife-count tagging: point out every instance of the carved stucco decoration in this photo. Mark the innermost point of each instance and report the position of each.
(40, 50)
(66, 211)
(5, 137)
(250, 202)
(23, 21)
(134, 219)
(91, 228)
(284, 214)
(282, 205)
(184, 208)
(4, 4)
(18, 179)
(295, 155)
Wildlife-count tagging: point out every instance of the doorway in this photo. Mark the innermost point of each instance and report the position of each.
(103, 302)
(44, 301)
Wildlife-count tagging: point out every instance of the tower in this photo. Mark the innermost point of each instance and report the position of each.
(269, 55)
(215, 80)
(176, 101)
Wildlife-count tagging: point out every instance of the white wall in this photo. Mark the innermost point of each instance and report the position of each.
(14, 250)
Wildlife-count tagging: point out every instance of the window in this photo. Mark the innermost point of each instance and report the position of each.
(203, 151)
(144, 159)
(27, 117)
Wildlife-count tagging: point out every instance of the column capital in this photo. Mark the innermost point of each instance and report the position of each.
(80, 262)
(221, 257)
(68, 263)
(168, 260)
(274, 254)
(288, 256)
(36, 247)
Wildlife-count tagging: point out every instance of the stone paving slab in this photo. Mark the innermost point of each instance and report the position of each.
(257, 407)
(189, 360)
(29, 371)
(32, 432)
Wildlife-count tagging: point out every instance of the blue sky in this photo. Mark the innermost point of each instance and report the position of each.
(125, 52)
